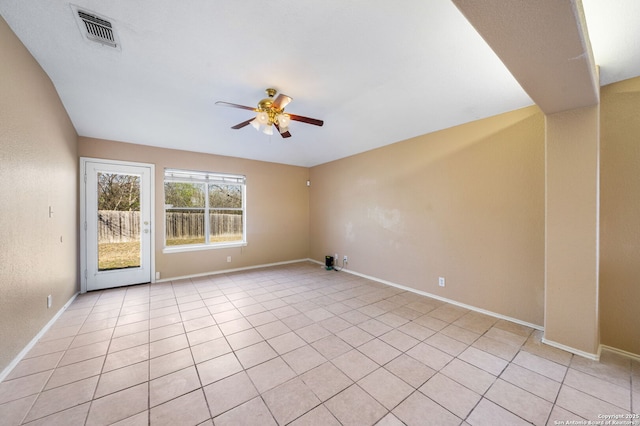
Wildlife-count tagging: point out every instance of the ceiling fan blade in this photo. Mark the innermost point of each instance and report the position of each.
(229, 104)
(281, 101)
(241, 125)
(285, 134)
(307, 120)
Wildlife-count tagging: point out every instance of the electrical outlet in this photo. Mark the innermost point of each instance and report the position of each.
(229, 259)
(335, 258)
(345, 259)
(49, 301)
(441, 281)
(157, 275)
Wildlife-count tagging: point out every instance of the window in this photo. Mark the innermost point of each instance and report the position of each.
(203, 209)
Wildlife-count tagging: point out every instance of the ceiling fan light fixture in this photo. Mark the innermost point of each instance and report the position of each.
(283, 120)
(263, 117)
(268, 130)
(255, 124)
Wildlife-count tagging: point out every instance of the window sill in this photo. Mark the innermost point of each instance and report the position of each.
(200, 247)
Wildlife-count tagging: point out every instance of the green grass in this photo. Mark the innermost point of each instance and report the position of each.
(127, 255)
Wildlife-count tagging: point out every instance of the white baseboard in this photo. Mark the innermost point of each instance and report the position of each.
(588, 355)
(226, 271)
(33, 341)
(442, 299)
(631, 355)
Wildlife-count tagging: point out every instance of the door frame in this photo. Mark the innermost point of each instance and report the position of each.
(83, 214)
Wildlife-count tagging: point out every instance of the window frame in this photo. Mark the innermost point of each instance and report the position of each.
(205, 178)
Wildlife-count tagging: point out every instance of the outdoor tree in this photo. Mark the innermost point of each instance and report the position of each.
(118, 192)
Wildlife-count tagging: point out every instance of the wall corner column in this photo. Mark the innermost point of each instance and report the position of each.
(572, 156)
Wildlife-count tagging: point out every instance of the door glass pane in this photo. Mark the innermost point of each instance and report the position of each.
(118, 221)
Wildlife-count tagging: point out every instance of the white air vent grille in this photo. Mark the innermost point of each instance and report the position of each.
(96, 28)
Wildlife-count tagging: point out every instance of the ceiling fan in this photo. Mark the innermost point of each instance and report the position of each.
(269, 113)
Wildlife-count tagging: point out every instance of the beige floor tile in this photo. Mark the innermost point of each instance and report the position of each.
(375, 327)
(218, 368)
(446, 344)
(74, 372)
(60, 332)
(14, 411)
(532, 382)
(326, 380)
(451, 395)
(354, 336)
(599, 388)
(35, 365)
(474, 378)
(270, 374)
(84, 353)
(505, 336)
(319, 416)
(74, 416)
(92, 338)
(448, 313)
(390, 420)
(385, 387)
(118, 406)
(331, 346)
(235, 326)
(166, 331)
(431, 322)
(244, 338)
(209, 350)
(399, 340)
(285, 311)
(487, 413)
(255, 354)
(204, 335)
(499, 349)
(418, 410)
(198, 323)
(430, 356)
(261, 318)
(21, 387)
(140, 419)
(410, 370)
(230, 392)
(173, 385)
(460, 334)
(117, 380)
(535, 346)
(585, 406)
(303, 359)
(164, 321)
(290, 400)
(127, 357)
(481, 359)
(272, 329)
(62, 397)
(560, 416)
(335, 324)
(520, 402)
(368, 411)
(98, 325)
(354, 364)
(168, 345)
(540, 365)
(129, 341)
(475, 322)
(189, 409)
(286, 342)
(355, 317)
(44, 348)
(251, 413)
(379, 351)
(312, 333)
(416, 331)
(612, 367)
(392, 320)
(171, 362)
(194, 313)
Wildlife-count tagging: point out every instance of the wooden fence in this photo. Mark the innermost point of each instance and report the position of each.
(122, 227)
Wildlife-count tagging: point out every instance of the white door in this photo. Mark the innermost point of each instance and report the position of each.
(115, 224)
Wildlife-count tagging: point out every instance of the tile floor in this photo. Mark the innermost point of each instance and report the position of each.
(300, 345)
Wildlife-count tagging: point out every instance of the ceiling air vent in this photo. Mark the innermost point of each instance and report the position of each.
(96, 28)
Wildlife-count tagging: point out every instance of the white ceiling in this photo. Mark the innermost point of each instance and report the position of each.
(376, 72)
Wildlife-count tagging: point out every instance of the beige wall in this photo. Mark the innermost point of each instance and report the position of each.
(466, 203)
(572, 203)
(277, 207)
(620, 216)
(38, 169)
